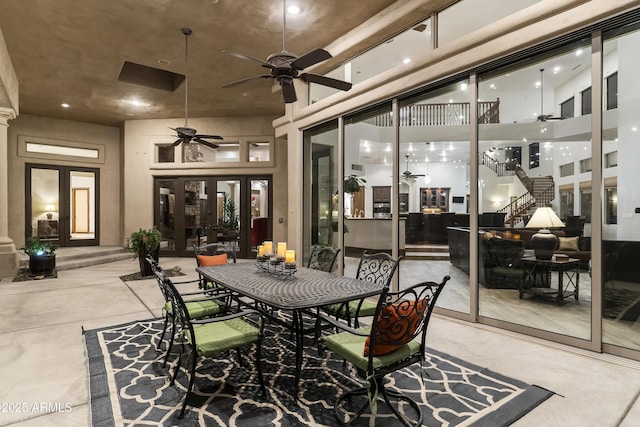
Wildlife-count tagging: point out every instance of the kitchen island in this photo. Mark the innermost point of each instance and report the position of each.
(371, 234)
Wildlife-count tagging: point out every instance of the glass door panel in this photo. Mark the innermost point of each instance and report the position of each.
(197, 213)
(166, 213)
(44, 212)
(513, 282)
(621, 222)
(82, 186)
(259, 208)
(435, 145)
(228, 203)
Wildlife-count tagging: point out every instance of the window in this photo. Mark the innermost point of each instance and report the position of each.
(585, 165)
(259, 151)
(611, 205)
(611, 159)
(566, 203)
(586, 102)
(566, 169)
(534, 155)
(612, 91)
(165, 153)
(585, 204)
(567, 108)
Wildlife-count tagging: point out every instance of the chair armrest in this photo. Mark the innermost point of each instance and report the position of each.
(241, 313)
(186, 282)
(340, 325)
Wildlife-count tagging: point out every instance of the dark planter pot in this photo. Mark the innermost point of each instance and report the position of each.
(42, 264)
(145, 268)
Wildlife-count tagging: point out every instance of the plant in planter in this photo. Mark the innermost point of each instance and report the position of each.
(352, 184)
(143, 242)
(229, 221)
(42, 256)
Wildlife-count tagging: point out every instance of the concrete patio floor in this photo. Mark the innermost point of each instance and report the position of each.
(44, 368)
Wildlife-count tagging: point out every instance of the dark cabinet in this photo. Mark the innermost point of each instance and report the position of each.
(434, 198)
(381, 194)
(403, 202)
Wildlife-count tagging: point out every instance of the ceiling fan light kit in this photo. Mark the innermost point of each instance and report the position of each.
(284, 67)
(186, 134)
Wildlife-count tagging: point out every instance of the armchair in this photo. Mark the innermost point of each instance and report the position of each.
(395, 339)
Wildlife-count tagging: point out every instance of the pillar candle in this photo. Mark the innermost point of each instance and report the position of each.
(260, 250)
(290, 256)
(268, 247)
(282, 249)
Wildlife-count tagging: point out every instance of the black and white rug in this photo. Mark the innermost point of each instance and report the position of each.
(129, 386)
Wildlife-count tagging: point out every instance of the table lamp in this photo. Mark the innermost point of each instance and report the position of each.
(544, 242)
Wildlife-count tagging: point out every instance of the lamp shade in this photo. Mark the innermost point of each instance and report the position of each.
(544, 242)
(544, 218)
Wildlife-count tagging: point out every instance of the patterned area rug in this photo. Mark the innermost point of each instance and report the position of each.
(129, 386)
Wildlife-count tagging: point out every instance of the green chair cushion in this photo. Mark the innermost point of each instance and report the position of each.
(220, 336)
(199, 309)
(368, 308)
(350, 347)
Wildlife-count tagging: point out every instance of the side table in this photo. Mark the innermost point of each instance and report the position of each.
(567, 268)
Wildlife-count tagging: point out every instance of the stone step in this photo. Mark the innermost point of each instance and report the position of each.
(431, 256)
(427, 248)
(70, 258)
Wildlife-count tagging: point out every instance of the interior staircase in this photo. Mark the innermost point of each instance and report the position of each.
(70, 258)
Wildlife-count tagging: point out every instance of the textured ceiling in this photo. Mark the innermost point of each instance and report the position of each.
(72, 51)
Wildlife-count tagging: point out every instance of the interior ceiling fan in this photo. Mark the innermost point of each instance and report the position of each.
(186, 134)
(284, 67)
(544, 117)
(407, 174)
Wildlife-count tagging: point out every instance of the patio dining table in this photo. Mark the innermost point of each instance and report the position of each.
(297, 293)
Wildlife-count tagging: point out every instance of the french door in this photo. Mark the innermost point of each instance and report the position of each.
(199, 210)
(62, 204)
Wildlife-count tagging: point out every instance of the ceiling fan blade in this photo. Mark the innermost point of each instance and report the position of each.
(247, 57)
(207, 143)
(288, 91)
(248, 79)
(325, 81)
(177, 142)
(209, 137)
(311, 58)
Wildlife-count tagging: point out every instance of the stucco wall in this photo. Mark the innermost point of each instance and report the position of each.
(69, 131)
(139, 171)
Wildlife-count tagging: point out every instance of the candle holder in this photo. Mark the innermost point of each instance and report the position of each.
(276, 266)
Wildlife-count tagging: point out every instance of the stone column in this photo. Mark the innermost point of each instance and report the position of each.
(9, 258)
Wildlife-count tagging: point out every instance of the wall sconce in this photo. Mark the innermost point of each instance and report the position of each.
(49, 209)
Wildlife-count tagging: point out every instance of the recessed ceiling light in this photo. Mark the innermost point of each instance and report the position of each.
(293, 9)
(406, 60)
(136, 103)
(164, 62)
(211, 1)
(65, 105)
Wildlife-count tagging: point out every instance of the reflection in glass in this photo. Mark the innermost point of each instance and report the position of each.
(620, 230)
(167, 213)
(534, 108)
(45, 203)
(321, 178)
(83, 205)
(434, 173)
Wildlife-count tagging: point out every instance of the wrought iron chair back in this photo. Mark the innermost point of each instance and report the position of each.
(323, 258)
(218, 332)
(377, 267)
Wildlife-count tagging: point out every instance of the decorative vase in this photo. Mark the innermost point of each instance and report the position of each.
(42, 264)
(544, 243)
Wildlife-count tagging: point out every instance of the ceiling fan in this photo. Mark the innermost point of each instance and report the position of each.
(544, 117)
(284, 67)
(186, 134)
(407, 174)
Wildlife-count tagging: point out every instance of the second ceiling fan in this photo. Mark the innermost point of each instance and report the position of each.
(186, 134)
(284, 67)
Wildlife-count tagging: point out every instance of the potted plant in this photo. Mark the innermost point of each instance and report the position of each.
(143, 242)
(229, 222)
(42, 256)
(352, 184)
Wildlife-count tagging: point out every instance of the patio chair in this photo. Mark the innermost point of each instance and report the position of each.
(395, 340)
(323, 258)
(214, 254)
(208, 337)
(203, 305)
(376, 268)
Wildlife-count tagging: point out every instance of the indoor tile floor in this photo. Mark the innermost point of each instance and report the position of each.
(44, 368)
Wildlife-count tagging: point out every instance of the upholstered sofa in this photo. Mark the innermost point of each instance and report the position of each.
(578, 247)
